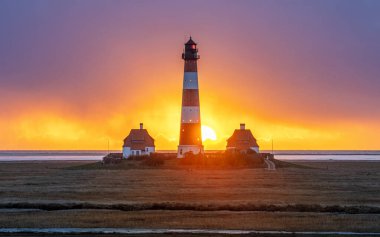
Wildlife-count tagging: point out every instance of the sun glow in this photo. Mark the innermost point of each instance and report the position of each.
(208, 133)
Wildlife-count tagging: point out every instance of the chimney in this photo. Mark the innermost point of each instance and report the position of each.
(141, 125)
(242, 126)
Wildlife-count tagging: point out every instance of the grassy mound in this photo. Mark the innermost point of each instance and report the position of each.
(217, 160)
(222, 161)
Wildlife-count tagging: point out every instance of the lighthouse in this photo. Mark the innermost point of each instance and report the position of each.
(190, 139)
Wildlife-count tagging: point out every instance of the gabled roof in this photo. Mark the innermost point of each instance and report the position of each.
(138, 139)
(242, 139)
(190, 42)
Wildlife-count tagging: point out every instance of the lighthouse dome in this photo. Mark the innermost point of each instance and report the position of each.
(190, 42)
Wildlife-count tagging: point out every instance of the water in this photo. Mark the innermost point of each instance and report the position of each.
(97, 155)
(310, 155)
(52, 155)
(327, 157)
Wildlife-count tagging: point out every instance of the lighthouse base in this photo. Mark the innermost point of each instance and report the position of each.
(183, 149)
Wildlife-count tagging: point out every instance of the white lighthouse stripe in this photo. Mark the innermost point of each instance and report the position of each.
(190, 114)
(190, 80)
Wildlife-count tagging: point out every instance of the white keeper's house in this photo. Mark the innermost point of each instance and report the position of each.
(138, 143)
(242, 140)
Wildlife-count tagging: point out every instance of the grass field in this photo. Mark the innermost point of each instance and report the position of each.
(324, 183)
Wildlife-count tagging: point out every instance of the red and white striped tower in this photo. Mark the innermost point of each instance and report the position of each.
(190, 139)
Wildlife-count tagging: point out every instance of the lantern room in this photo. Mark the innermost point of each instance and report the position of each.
(191, 51)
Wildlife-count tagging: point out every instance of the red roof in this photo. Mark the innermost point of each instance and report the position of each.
(242, 139)
(138, 139)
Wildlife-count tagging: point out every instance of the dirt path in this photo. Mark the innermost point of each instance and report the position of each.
(270, 164)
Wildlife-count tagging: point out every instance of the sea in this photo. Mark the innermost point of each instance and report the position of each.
(96, 155)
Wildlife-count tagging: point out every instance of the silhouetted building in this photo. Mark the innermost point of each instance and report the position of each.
(138, 143)
(242, 140)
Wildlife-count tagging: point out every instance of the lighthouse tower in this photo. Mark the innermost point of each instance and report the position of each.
(190, 139)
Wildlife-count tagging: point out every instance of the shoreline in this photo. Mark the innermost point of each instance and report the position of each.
(98, 160)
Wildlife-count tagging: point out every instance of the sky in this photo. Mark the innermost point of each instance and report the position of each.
(81, 74)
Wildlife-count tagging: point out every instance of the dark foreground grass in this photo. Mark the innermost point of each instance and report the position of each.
(334, 196)
(277, 221)
(175, 206)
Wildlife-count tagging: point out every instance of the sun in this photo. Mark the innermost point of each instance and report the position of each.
(208, 133)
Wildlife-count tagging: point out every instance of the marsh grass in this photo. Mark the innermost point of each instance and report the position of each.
(176, 206)
(290, 221)
(320, 198)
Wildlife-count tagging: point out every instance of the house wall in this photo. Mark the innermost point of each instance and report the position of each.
(149, 150)
(127, 151)
(255, 148)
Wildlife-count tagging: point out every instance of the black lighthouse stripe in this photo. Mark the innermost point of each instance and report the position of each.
(190, 97)
(190, 134)
(191, 66)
